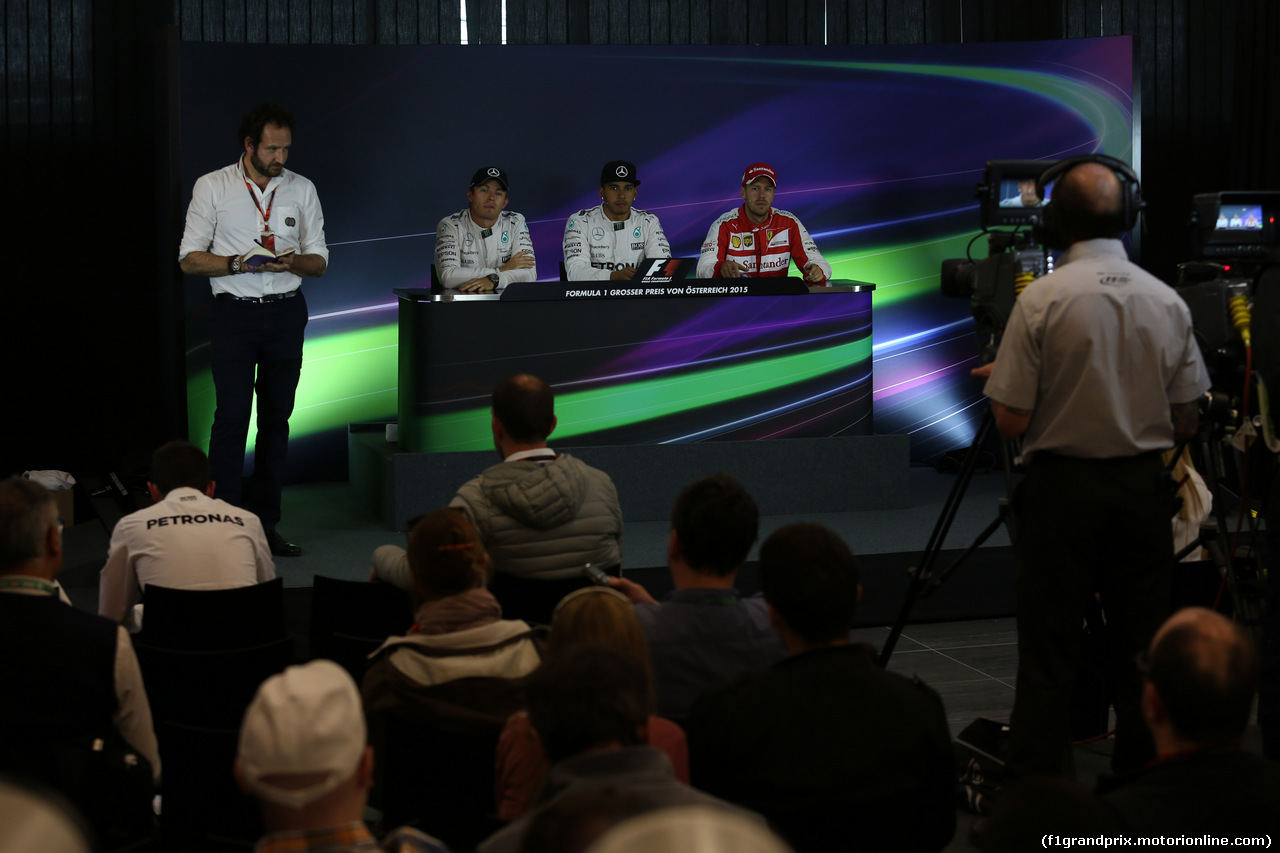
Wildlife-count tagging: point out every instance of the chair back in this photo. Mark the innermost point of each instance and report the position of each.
(351, 619)
(203, 654)
(213, 619)
(439, 781)
(531, 599)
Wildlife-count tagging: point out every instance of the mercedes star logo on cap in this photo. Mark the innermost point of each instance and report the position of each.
(493, 172)
(621, 171)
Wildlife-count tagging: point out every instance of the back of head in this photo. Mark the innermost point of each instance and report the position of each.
(1206, 672)
(588, 697)
(716, 522)
(525, 406)
(703, 828)
(603, 616)
(38, 821)
(27, 510)
(303, 735)
(810, 577)
(177, 464)
(598, 614)
(1089, 202)
(446, 556)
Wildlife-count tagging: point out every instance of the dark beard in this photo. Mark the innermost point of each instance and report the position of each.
(262, 168)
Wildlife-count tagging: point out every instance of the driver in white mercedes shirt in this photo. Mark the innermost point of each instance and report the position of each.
(484, 246)
(605, 242)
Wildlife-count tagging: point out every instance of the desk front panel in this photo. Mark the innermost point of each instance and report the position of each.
(641, 371)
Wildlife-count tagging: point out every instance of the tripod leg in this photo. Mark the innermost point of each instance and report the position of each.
(923, 573)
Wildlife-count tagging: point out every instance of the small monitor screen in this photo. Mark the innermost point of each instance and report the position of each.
(1007, 195)
(1021, 192)
(1239, 217)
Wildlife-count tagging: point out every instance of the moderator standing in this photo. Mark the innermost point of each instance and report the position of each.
(259, 314)
(1099, 371)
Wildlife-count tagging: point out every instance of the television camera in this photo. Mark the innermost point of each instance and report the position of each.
(1007, 198)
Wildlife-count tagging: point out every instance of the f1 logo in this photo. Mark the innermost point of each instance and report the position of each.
(656, 266)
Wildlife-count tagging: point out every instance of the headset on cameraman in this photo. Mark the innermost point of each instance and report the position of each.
(1049, 230)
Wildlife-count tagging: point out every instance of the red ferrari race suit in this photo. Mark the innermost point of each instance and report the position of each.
(766, 249)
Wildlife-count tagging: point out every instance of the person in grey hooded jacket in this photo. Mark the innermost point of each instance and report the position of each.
(542, 515)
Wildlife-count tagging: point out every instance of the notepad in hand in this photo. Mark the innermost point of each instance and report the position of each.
(257, 256)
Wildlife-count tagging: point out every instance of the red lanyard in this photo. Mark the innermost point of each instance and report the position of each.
(268, 238)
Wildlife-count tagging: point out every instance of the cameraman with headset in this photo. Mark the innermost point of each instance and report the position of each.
(1099, 372)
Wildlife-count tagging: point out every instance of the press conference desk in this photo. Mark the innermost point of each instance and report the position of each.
(692, 361)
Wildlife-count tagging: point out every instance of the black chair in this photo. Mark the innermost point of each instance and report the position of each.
(532, 600)
(351, 619)
(438, 781)
(213, 619)
(203, 654)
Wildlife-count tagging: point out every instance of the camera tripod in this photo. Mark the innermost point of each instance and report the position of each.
(923, 581)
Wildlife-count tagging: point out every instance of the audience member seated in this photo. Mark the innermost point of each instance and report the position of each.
(542, 515)
(593, 615)
(590, 707)
(304, 757)
(825, 744)
(460, 658)
(71, 679)
(186, 540)
(1200, 683)
(705, 633)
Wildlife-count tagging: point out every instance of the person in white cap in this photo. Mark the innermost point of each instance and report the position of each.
(303, 755)
(757, 239)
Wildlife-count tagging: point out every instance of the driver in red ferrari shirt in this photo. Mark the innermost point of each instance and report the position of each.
(757, 240)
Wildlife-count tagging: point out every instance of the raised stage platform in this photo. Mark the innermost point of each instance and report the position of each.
(786, 477)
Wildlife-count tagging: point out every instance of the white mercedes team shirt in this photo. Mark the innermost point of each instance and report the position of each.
(186, 541)
(594, 245)
(465, 251)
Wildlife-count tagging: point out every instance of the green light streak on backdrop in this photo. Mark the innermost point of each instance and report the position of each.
(907, 271)
(582, 412)
(346, 378)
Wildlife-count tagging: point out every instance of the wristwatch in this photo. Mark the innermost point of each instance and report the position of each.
(493, 277)
(234, 267)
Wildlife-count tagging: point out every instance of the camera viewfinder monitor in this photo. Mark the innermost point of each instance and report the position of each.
(1236, 224)
(1007, 194)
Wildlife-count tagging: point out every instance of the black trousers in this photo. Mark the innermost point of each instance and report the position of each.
(256, 348)
(1087, 527)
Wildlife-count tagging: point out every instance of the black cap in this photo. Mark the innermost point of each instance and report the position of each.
(489, 173)
(618, 170)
